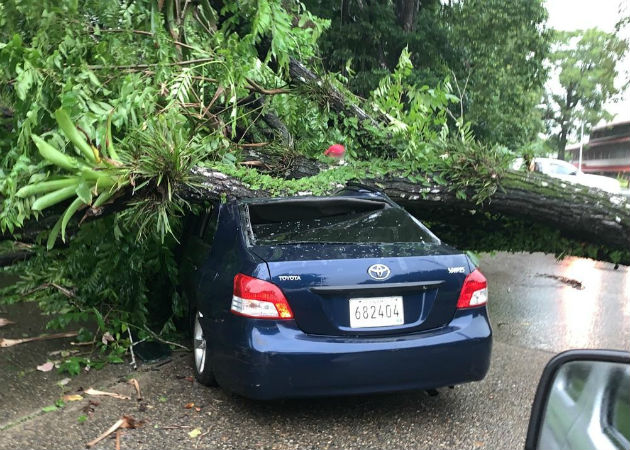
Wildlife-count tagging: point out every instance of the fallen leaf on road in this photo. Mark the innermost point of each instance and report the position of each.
(124, 422)
(194, 433)
(189, 405)
(63, 382)
(5, 342)
(135, 384)
(91, 391)
(72, 398)
(46, 367)
(197, 409)
(4, 322)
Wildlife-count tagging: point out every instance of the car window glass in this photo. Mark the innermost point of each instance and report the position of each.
(561, 169)
(388, 225)
(576, 376)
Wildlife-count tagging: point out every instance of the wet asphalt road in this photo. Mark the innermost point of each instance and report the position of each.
(533, 317)
(530, 309)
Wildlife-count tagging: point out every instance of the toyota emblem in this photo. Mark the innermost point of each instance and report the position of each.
(379, 271)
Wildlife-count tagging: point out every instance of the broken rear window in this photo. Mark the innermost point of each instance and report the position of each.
(333, 220)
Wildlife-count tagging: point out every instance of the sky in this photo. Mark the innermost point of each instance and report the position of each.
(569, 15)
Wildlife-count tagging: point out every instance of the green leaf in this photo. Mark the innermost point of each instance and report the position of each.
(52, 236)
(45, 186)
(102, 199)
(52, 198)
(75, 136)
(99, 319)
(74, 206)
(53, 155)
(84, 192)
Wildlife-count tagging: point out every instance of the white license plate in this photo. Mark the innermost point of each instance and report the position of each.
(376, 312)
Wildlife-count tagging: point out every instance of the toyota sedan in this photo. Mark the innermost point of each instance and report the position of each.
(321, 296)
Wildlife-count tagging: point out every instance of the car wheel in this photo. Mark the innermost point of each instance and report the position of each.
(202, 363)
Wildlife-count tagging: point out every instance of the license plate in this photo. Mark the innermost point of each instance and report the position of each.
(376, 312)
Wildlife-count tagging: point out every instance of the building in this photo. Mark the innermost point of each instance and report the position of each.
(607, 151)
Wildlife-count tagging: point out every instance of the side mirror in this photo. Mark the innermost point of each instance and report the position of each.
(582, 402)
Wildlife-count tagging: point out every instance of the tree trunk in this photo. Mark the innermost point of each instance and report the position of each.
(583, 213)
(580, 213)
(406, 11)
(562, 142)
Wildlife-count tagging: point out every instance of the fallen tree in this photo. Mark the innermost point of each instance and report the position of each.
(582, 213)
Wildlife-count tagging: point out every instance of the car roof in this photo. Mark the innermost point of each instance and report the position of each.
(553, 160)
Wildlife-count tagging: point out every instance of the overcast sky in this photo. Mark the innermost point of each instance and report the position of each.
(572, 15)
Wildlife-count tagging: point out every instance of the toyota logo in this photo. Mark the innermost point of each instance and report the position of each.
(379, 271)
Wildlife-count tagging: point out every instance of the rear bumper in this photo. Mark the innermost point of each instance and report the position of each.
(274, 359)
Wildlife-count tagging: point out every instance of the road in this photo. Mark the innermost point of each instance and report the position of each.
(534, 314)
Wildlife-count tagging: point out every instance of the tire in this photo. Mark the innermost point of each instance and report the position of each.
(201, 358)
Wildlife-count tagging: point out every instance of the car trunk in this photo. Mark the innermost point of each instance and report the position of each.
(357, 267)
(320, 285)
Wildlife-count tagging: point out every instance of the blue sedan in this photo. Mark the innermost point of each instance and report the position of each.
(321, 296)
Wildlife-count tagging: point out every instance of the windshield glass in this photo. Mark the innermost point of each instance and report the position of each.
(562, 169)
(382, 225)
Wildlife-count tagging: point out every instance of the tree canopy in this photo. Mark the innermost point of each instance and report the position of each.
(492, 52)
(587, 66)
(500, 49)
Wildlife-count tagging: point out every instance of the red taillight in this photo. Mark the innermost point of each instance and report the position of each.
(260, 299)
(474, 291)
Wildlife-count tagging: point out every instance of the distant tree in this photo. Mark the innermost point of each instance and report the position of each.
(499, 65)
(368, 36)
(622, 27)
(587, 63)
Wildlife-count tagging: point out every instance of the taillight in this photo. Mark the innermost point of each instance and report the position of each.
(474, 291)
(260, 299)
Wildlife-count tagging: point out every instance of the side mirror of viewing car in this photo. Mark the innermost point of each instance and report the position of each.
(582, 402)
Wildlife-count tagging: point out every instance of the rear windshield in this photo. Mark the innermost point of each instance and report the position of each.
(341, 220)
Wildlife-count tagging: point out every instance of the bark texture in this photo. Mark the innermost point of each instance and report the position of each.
(590, 214)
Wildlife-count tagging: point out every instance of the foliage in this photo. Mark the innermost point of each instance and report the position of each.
(105, 276)
(416, 114)
(365, 40)
(587, 65)
(143, 94)
(493, 52)
(498, 64)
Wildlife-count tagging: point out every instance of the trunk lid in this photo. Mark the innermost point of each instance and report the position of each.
(322, 282)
